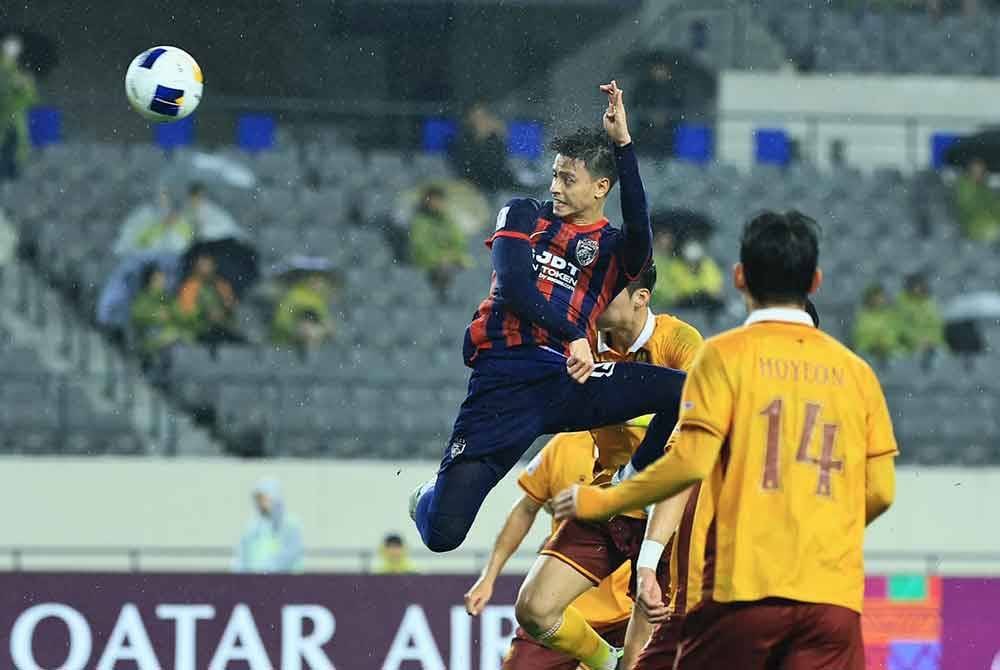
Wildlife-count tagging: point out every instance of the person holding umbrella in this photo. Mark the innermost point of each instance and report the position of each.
(207, 304)
(978, 205)
(17, 95)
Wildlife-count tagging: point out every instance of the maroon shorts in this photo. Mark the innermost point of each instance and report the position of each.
(660, 651)
(771, 634)
(528, 654)
(596, 550)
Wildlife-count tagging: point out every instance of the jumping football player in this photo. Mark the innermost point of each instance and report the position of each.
(789, 436)
(556, 267)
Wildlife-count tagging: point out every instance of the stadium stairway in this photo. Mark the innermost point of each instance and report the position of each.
(35, 317)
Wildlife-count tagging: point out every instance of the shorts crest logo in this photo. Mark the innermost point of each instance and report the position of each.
(457, 447)
(586, 251)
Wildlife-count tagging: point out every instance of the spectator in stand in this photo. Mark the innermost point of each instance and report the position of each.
(394, 559)
(479, 153)
(160, 227)
(302, 317)
(154, 318)
(437, 244)
(659, 101)
(921, 327)
(272, 541)
(690, 278)
(876, 328)
(978, 205)
(206, 304)
(17, 95)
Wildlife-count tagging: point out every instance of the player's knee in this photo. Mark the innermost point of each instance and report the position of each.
(534, 613)
(444, 537)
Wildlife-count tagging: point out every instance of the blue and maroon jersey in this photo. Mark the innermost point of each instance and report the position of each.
(578, 269)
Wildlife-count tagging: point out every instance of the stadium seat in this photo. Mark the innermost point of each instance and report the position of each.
(694, 143)
(772, 146)
(255, 132)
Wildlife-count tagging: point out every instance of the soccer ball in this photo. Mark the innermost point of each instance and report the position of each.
(164, 84)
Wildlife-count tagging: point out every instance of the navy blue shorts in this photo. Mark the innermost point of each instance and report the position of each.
(514, 397)
(517, 395)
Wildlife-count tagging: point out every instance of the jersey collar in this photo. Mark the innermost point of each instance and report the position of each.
(588, 228)
(786, 314)
(640, 342)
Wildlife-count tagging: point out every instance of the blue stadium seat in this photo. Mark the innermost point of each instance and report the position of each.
(255, 132)
(772, 146)
(438, 134)
(694, 143)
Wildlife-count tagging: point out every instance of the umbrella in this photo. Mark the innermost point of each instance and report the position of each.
(121, 287)
(207, 168)
(984, 145)
(683, 224)
(973, 306)
(235, 261)
(294, 268)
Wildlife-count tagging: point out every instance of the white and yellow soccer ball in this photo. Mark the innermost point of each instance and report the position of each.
(164, 84)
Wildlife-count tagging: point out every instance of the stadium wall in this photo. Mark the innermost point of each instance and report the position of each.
(352, 504)
(884, 121)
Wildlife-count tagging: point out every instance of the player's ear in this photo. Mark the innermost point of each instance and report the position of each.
(601, 188)
(739, 279)
(816, 282)
(640, 299)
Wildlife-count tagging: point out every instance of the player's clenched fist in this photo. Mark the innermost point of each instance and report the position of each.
(478, 596)
(580, 363)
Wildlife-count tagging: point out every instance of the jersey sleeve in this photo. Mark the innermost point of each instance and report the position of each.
(881, 439)
(516, 219)
(680, 349)
(708, 396)
(637, 243)
(536, 478)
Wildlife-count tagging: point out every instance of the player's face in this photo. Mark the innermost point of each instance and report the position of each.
(618, 314)
(574, 190)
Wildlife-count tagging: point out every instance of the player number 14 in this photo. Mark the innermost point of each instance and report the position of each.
(772, 455)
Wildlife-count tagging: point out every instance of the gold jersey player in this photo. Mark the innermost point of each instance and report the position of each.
(789, 436)
(583, 564)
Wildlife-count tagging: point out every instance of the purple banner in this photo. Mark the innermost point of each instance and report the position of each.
(970, 632)
(85, 621)
(238, 622)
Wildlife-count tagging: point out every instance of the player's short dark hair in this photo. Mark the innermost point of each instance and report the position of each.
(393, 540)
(592, 146)
(646, 279)
(779, 253)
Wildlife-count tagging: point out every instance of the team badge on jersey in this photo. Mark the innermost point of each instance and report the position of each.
(586, 251)
(457, 447)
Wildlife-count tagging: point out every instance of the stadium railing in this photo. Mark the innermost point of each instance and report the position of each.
(362, 560)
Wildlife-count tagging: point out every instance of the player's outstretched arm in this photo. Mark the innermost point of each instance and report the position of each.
(689, 461)
(515, 529)
(638, 235)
